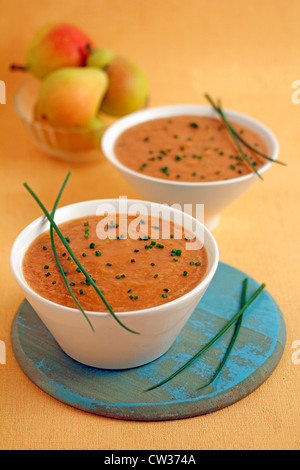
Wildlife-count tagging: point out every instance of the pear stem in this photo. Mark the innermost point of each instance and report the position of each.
(23, 68)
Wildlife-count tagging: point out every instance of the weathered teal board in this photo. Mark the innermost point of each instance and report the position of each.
(122, 394)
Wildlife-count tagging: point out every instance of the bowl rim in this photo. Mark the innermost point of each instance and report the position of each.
(112, 133)
(203, 284)
(46, 126)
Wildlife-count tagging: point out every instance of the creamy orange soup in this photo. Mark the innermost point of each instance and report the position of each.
(132, 273)
(188, 148)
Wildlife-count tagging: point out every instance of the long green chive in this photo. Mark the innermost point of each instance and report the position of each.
(53, 223)
(212, 341)
(254, 149)
(233, 339)
(56, 256)
(233, 135)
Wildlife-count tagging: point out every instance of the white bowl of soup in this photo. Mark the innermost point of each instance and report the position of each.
(152, 263)
(184, 155)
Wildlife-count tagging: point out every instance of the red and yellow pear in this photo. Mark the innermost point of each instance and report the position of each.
(56, 46)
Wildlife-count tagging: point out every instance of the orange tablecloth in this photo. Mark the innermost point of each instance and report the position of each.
(247, 53)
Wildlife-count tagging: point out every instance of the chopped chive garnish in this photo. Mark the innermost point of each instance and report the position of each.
(84, 255)
(80, 291)
(132, 260)
(176, 252)
(44, 248)
(46, 266)
(108, 264)
(165, 170)
(164, 296)
(98, 253)
(155, 276)
(194, 124)
(48, 274)
(185, 273)
(92, 245)
(53, 282)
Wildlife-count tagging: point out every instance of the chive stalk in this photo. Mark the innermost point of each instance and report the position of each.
(213, 340)
(83, 270)
(233, 135)
(56, 256)
(233, 339)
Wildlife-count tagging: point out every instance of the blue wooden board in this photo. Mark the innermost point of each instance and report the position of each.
(122, 394)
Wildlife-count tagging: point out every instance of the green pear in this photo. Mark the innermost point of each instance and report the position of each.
(100, 58)
(128, 87)
(71, 97)
(55, 46)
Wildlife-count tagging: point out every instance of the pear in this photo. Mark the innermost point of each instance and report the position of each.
(70, 97)
(128, 87)
(56, 46)
(100, 58)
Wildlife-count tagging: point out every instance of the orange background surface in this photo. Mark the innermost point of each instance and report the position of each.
(247, 53)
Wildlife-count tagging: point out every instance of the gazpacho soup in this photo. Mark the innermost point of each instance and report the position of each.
(188, 148)
(130, 259)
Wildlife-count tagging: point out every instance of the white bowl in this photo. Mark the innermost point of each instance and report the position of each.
(111, 346)
(214, 195)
